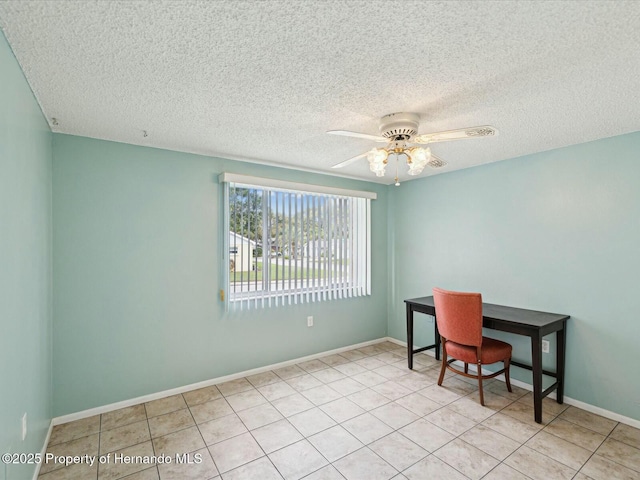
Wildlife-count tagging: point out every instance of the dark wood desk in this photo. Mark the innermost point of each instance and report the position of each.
(530, 323)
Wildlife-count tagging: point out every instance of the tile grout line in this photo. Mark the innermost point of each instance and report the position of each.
(339, 424)
(153, 446)
(609, 437)
(598, 447)
(254, 438)
(304, 438)
(206, 447)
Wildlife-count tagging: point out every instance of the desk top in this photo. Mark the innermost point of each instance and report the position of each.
(501, 313)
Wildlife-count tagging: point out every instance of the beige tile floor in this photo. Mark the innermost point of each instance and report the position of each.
(358, 415)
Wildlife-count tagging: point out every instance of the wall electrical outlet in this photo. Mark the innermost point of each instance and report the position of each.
(310, 321)
(545, 346)
(24, 426)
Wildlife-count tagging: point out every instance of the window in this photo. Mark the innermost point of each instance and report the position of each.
(294, 243)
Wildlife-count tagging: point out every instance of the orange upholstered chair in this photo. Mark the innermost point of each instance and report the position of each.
(459, 320)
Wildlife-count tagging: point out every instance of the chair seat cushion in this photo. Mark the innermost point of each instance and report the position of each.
(492, 351)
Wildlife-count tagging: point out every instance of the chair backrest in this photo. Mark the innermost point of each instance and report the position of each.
(459, 316)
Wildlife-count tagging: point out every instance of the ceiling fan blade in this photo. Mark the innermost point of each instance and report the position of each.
(350, 161)
(436, 162)
(347, 133)
(460, 133)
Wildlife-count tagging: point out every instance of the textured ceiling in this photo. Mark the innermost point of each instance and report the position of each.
(264, 80)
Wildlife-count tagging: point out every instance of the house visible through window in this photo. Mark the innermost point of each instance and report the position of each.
(291, 246)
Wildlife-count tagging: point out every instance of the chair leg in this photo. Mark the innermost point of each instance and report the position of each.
(480, 384)
(466, 368)
(507, 365)
(444, 361)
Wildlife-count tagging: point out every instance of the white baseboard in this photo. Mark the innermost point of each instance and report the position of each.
(206, 383)
(526, 386)
(43, 451)
(632, 422)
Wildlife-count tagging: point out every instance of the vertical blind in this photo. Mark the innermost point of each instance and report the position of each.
(287, 246)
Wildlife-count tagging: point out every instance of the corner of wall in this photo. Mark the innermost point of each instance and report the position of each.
(391, 256)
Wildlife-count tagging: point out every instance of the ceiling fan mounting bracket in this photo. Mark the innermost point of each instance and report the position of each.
(399, 126)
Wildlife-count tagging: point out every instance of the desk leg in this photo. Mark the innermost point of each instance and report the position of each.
(436, 334)
(536, 365)
(561, 345)
(410, 337)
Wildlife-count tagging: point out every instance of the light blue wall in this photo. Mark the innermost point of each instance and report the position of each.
(557, 231)
(25, 266)
(136, 246)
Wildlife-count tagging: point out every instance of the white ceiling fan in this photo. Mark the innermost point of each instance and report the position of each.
(399, 131)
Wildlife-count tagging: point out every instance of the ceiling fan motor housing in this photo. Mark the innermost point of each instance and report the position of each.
(399, 126)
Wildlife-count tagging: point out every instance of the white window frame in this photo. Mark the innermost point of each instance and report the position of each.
(359, 246)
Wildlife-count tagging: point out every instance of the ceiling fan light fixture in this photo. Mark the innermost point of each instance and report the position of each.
(417, 159)
(419, 155)
(378, 169)
(377, 158)
(414, 170)
(377, 155)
